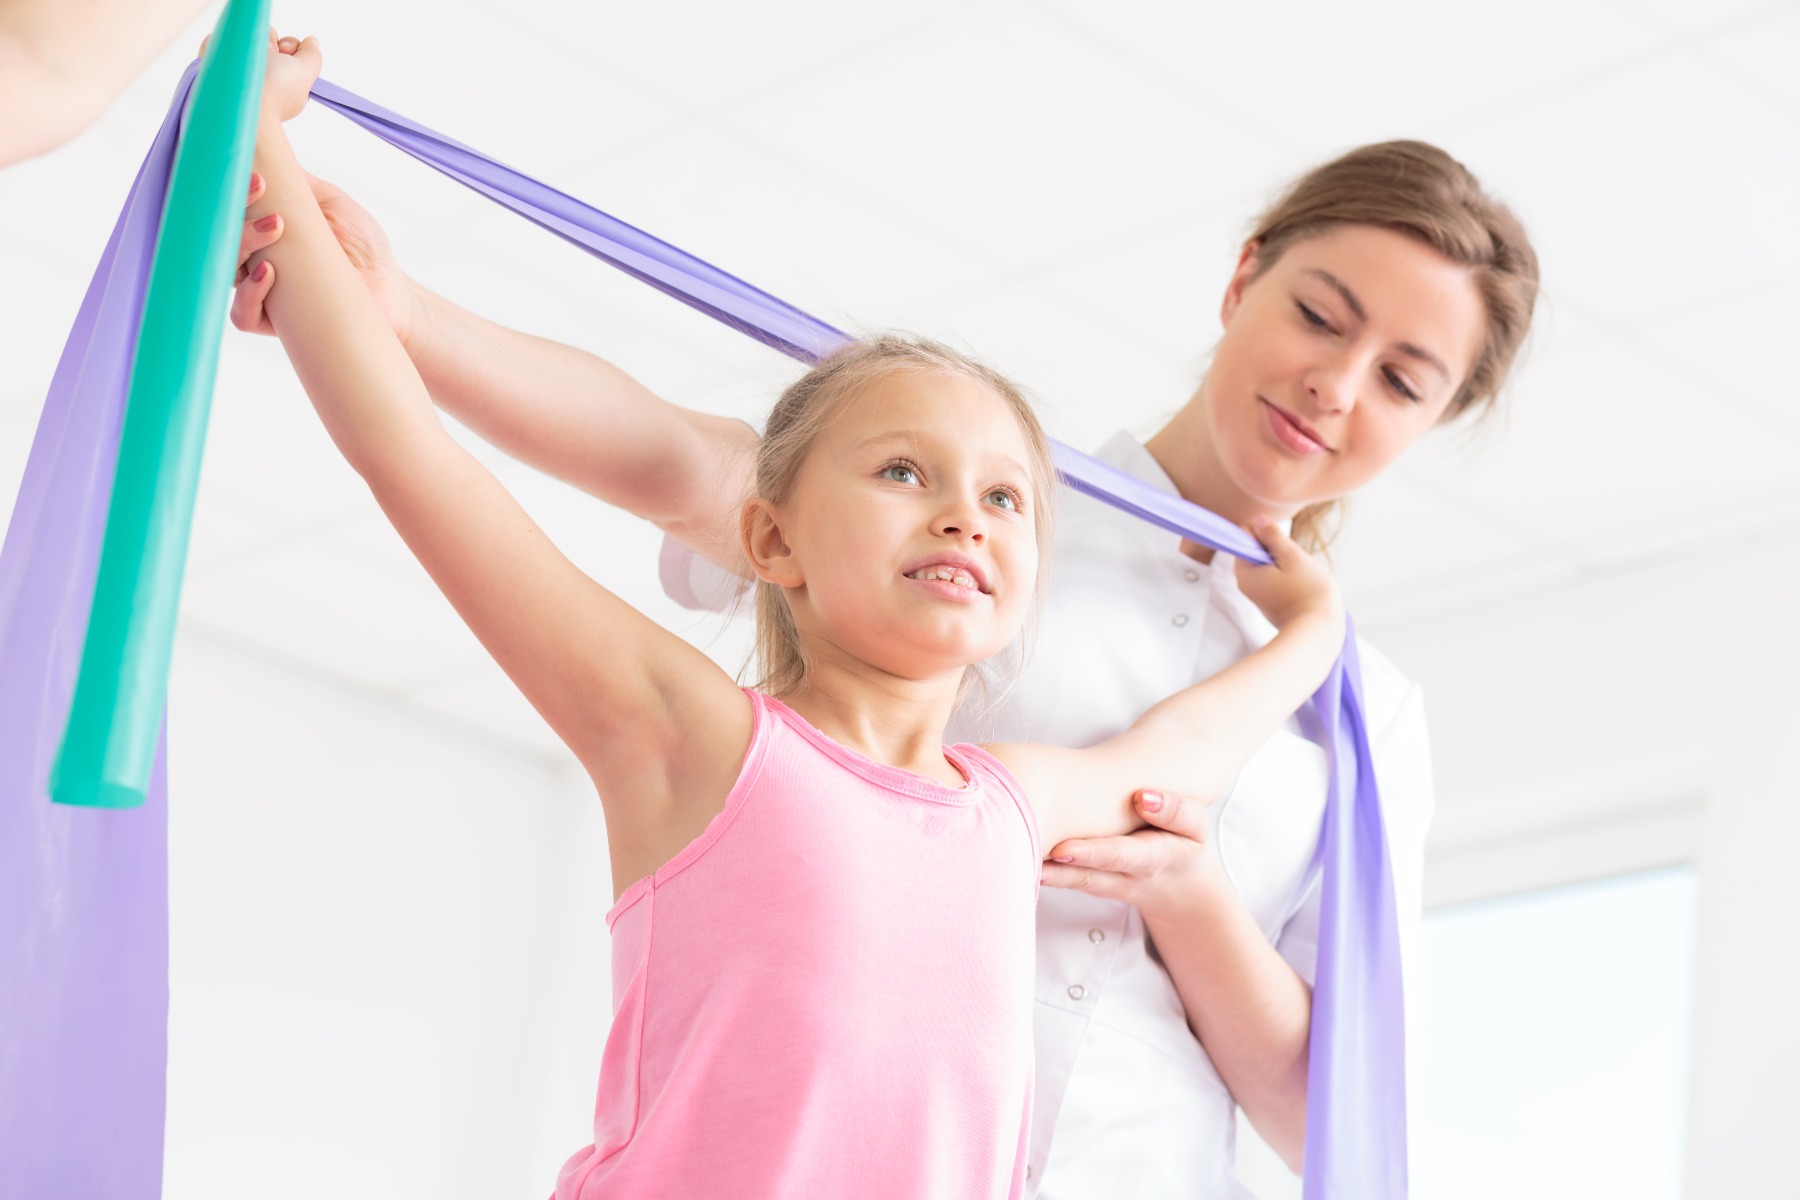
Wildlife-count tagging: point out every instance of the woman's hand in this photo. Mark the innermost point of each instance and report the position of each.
(1297, 586)
(1169, 866)
(364, 244)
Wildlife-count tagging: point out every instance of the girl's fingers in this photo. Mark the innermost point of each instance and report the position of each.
(247, 302)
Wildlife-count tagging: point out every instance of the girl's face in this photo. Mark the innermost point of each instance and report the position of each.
(908, 541)
(1334, 360)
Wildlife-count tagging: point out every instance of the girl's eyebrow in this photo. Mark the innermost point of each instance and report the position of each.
(1355, 305)
(915, 439)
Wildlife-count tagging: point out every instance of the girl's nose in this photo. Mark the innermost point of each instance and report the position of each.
(962, 520)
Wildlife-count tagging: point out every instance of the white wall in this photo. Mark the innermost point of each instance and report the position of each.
(389, 963)
(1643, 716)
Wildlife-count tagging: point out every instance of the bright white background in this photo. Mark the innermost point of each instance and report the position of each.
(389, 959)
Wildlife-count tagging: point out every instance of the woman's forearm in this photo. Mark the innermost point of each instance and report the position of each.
(1250, 1010)
(578, 417)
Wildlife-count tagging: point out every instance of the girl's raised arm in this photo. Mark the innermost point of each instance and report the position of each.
(1195, 742)
(560, 409)
(658, 725)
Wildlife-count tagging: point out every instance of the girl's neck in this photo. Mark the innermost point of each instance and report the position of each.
(1184, 449)
(899, 722)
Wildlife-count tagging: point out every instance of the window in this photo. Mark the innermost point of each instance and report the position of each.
(1556, 1030)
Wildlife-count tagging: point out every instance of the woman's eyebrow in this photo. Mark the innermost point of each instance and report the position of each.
(1349, 297)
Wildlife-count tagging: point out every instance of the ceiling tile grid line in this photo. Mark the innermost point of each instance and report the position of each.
(1670, 45)
(1098, 34)
(1784, 424)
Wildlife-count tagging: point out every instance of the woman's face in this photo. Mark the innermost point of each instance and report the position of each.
(1334, 360)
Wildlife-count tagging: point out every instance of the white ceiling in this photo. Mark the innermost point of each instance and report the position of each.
(1056, 185)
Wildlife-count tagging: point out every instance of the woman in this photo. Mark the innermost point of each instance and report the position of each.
(1383, 295)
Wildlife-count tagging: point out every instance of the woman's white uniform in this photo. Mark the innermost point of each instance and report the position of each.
(1127, 1103)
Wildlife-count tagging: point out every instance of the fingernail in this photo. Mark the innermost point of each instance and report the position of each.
(255, 182)
(1152, 801)
(1062, 858)
(261, 273)
(267, 224)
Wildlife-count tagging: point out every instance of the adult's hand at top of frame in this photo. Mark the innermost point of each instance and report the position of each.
(63, 64)
(363, 241)
(1168, 866)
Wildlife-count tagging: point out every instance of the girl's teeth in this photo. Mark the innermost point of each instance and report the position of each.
(954, 575)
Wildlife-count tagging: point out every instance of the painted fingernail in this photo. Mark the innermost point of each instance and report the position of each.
(261, 273)
(1153, 801)
(255, 182)
(267, 224)
(1062, 858)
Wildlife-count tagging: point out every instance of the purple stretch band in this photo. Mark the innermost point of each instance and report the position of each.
(83, 893)
(1356, 1095)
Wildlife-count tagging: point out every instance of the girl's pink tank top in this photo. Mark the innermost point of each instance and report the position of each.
(828, 992)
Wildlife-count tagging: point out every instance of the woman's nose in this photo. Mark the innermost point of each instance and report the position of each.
(1332, 384)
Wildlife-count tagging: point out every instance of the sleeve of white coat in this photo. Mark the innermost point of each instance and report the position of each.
(696, 581)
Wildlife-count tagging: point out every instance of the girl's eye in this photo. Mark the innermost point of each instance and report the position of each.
(1005, 497)
(1312, 318)
(1399, 385)
(900, 472)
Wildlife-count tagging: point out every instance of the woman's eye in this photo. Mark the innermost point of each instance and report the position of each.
(900, 473)
(1312, 318)
(1399, 385)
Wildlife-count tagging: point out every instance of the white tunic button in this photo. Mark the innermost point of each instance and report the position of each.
(1096, 936)
(1076, 992)
(1191, 574)
(1179, 618)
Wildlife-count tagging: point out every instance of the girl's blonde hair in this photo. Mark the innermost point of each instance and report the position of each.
(1416, 189)
(808, 407)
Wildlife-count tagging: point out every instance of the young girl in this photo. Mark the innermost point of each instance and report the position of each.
(822, 954)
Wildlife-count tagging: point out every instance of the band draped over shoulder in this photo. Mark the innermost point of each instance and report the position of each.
(83, 894)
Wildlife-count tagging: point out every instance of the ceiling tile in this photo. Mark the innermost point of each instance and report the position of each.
(1023, 141)
(1744, 346)
(1087, 379)
(763, 213)
(1647, 186)
(1686, 17)
(1324, 77)
(1763, 53)
(1602, 440)
(704, 54)
(480, 74)
(1404, 541)
(1163, 285)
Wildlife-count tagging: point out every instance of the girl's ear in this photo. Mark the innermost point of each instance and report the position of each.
(773, 560)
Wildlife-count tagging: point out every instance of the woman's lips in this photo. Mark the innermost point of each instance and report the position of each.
(1288, 432)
